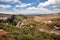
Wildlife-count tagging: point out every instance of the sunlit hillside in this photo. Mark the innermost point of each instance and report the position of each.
(43, 27)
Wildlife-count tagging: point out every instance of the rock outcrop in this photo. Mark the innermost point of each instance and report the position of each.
(5, 35)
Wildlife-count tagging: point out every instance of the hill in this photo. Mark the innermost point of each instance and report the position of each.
(46, 22)
(43, 27)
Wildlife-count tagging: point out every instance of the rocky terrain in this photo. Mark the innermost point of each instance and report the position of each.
(5, 35)
(44, 27)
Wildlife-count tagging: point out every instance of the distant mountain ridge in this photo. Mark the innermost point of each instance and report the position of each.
(33, 14)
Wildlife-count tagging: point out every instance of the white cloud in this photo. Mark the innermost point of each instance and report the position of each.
(5, 6)
(23, 5)
(53, 3)
(8, 0)
(3, 10)
(32, 10)
(35, 10)
(56, 10)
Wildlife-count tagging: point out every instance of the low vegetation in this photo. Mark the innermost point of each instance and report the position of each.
(30, 29)
(28, 33)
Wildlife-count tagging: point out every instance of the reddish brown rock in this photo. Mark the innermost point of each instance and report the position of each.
(5, 35)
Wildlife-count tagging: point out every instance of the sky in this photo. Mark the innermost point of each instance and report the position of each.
(27, 7)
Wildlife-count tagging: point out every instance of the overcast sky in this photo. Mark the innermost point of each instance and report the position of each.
(29, 6)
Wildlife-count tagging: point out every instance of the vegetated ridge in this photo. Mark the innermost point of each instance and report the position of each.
(42, 27)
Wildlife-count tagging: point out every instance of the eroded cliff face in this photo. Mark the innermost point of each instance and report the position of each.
(5, 35)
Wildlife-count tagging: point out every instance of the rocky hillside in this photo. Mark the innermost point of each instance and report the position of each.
(47, 23)
(41, 27)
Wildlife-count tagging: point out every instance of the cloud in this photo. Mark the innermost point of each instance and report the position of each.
(40, 9)
(32, 11)
(56, 10)
(5, 6)
(3, 10)
(52, 3)
(37, 10)
(8, 0)
(23, 5)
